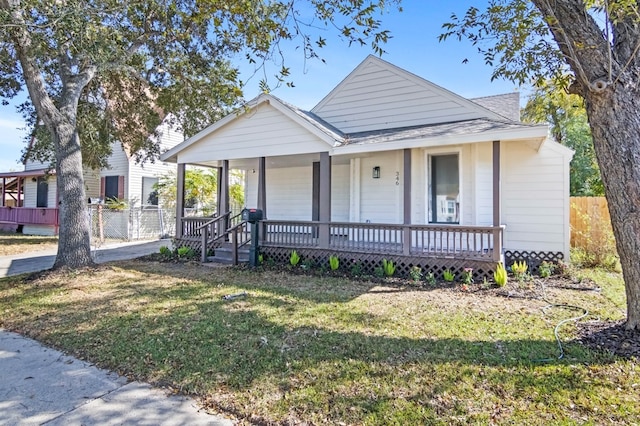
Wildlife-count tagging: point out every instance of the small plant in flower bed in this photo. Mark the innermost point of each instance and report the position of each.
(388, 267)
(378, 272)
(356, 269)
(430, 279)
(500, 275)
(294, 259)
(546, 269)
(467, 276)
(448, 276)
(166, 252)
(185, 252)
(307, 264)
(415, 273)
(334, 262)
(519, 270)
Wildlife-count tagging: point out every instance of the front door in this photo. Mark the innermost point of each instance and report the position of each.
(445, 189)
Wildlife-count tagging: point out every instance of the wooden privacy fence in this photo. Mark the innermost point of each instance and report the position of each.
(590, 222)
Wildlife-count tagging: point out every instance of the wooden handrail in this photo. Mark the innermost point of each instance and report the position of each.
(458, 241)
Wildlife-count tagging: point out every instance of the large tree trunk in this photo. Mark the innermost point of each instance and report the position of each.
(615, 123)
(74, 246)
(606, 68)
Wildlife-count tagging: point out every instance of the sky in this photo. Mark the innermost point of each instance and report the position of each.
(414, 46)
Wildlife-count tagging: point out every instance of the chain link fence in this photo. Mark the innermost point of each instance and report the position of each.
(139, 223)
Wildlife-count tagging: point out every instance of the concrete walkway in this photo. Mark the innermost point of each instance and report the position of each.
(42, 386)
(41, 260)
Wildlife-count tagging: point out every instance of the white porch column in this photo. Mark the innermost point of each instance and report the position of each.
(406, 237)
(497, 204)
(325, 199)
(262, 186)
(180, 199)
(224, 187)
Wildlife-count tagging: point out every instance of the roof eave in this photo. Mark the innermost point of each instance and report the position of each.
(534, 133)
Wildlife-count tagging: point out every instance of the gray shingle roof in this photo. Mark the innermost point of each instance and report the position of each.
(507, 104)
(467, 127)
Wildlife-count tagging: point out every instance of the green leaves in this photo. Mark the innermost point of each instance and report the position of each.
(512, 38)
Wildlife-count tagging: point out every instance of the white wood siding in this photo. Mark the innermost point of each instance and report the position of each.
(118, 166)
(289, 193)
(30, 195)
(380, 96)
(35, 165)
(340, 188)
(381, 199)
(482, 184)
(534, 198)
(265, 131)
(92, 183)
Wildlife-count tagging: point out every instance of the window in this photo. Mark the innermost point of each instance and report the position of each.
(445, 189)
(42, 196)
(110, 187)
(149, 193)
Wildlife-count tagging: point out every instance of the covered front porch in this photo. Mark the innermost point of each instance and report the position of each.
(432, 246)
(13, 212)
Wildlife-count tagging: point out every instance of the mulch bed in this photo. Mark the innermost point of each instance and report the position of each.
(611, 337)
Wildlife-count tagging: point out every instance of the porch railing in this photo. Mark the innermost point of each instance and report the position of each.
(469, 242)
(29, 215)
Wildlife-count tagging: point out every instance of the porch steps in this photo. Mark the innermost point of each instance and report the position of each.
(223, 254)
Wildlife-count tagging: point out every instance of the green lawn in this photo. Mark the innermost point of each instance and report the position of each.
(302, 349)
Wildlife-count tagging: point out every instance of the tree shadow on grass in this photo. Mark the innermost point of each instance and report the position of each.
(289, 338)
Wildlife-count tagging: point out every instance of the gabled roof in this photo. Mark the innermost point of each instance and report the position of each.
(314, 124)
(378, 94)
(479, 120)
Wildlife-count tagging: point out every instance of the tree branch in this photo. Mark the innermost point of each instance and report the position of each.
(41, 100)
(580, 40)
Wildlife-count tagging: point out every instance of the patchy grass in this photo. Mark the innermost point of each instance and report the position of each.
(300, 349)
(12, 243)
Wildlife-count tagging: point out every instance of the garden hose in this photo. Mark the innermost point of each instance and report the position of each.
(561, 323)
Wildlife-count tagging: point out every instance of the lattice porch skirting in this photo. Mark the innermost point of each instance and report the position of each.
(436, 265)
(368, 262)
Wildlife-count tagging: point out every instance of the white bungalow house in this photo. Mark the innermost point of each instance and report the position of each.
(33, 192)
(389, 164)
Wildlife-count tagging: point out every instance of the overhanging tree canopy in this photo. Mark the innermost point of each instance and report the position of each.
(598, 43)
(104, 70)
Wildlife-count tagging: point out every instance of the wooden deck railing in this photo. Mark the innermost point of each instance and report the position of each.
(470, 242)
(29, 215)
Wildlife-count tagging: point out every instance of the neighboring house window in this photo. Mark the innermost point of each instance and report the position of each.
(42, 196)
(112, 187)
(149, 193)
(445, 189)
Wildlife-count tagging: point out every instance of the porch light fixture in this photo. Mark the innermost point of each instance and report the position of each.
(376, 172)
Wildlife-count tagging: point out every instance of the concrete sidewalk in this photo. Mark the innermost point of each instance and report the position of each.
(41, 386)
(39, 261)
